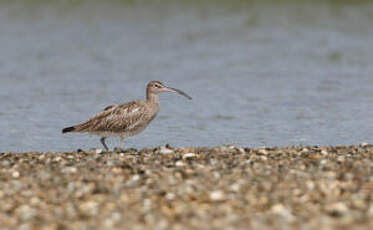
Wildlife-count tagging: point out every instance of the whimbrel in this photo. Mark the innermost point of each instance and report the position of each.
(126, 119)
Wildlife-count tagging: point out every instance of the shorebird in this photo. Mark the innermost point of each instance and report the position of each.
(125, 119)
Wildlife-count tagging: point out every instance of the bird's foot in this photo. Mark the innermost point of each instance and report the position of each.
(119, 150)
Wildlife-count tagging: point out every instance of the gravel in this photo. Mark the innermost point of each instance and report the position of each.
(224, 187)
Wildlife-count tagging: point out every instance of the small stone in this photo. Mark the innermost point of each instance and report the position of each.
(110, 221)
(165, 150)
(170, 196)
(235, 187)
(134, 180)
(281, 210)
(216, 175)
(179, 164)
(337, 209)
(310, 185)
(15, 174)
(359, 203)
(217, 196)
(99, 151)
(224, 149)
(370, 211)
(25, 212)
(4, 163)
(189, 155)
(34, 200)
(57, 159)
(324, 152)
(69, 170)
(241, 150)
(135, 177)
(147, 204)
(341, 159)
(263, 151)
(116, 170)
(89, 208)
(305, 150)
(364, 144)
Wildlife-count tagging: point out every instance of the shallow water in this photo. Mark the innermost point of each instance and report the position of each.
(259, 73)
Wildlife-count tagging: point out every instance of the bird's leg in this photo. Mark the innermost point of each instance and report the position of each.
(122, 143)
(103, 143)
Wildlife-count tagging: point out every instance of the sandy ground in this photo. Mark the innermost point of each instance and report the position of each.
(225, 187)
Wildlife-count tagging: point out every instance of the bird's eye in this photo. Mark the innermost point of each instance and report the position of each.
(158, 86)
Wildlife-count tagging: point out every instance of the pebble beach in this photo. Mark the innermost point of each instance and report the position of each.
(224, 187)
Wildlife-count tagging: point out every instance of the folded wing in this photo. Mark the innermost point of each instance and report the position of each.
(116, 119)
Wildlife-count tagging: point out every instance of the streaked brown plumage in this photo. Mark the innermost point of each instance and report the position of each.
(126, 119)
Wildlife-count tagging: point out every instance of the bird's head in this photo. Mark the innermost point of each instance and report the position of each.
(155, 87)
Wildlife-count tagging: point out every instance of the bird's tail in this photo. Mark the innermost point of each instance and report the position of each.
(68, 129)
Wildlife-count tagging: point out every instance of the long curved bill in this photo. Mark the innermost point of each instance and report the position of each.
(169, 89)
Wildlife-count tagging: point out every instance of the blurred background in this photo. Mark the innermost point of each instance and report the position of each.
(261, 73)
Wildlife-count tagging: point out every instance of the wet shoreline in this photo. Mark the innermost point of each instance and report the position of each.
(302, 187)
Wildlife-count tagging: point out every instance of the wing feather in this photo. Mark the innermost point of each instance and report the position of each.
(118, 118)
(109, 107)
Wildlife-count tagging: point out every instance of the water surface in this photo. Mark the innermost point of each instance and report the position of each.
(260, 73)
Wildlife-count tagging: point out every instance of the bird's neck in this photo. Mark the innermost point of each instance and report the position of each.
(152, 98)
